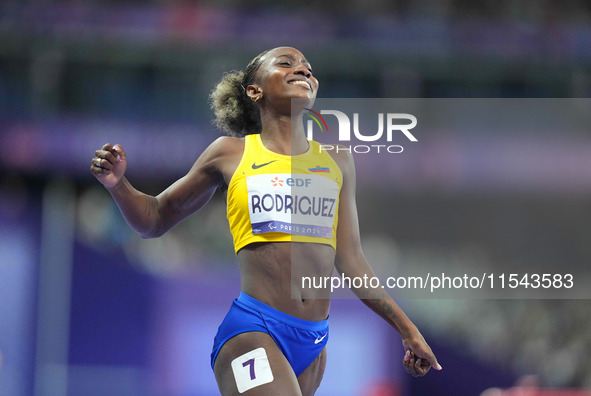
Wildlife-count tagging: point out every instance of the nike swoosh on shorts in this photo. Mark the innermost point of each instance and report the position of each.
(317, 340)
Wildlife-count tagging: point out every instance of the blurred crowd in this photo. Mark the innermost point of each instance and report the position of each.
(523, 10)
(541, 337)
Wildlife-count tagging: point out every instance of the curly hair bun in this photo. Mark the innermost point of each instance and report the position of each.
(235, 113)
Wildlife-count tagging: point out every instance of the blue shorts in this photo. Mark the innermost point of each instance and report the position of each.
(301, 341)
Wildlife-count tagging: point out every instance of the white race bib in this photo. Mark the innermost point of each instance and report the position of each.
(292, 204)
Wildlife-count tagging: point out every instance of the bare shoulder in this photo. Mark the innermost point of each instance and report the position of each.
(225, 145)
(223, 156)
(344, 159)
(221, 150)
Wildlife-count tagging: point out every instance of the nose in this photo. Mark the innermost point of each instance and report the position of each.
(303, 71)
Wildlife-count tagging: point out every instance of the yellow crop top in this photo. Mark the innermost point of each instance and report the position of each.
(282, 198)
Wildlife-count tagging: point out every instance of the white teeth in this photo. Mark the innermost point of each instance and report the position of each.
(298, 82)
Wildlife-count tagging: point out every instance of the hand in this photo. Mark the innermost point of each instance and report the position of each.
(109, 165)
(418, 358)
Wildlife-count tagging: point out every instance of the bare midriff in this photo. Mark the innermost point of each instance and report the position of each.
(266, 272)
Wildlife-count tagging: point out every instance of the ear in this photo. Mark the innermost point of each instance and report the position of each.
(254, 92)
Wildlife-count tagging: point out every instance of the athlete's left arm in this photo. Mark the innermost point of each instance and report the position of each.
(351, 262)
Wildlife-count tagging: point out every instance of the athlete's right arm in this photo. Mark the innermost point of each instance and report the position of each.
(152, 216)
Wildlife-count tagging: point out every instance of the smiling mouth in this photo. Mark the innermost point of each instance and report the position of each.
(302, 83)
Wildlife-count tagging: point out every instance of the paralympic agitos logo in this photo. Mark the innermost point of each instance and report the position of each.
(394, 123)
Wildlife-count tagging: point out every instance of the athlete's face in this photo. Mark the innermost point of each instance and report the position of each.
(284, 74)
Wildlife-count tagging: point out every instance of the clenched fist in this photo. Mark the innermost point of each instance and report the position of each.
(109, 165)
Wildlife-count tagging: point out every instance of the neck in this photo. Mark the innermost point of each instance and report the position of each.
(279, 135)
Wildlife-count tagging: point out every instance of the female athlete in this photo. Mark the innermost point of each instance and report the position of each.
(270, 343)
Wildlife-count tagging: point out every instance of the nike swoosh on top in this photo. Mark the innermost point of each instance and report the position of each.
(255, 166)
(317, 340)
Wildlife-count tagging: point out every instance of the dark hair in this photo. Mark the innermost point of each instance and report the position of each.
(235, 113)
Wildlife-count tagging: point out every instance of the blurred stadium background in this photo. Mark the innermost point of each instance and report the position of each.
(89, 308)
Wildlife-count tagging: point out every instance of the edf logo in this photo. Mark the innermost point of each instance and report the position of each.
(294, 182)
